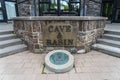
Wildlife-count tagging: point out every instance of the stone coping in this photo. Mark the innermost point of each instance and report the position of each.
(59, 18)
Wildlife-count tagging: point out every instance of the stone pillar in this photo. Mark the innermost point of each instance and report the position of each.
(28, 8)
(23, 8)
(93, 9)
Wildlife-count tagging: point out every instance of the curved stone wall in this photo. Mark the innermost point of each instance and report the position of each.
(85, 30)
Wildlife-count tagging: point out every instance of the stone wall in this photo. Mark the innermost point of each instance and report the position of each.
(88, 32)
(24, 8)
(28, 8)
(93, 9)
(31, 31)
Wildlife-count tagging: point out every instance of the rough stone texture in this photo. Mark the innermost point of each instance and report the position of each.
(31, 31)
(63, 34)
(28, 8)
(24, 8)
(93, 9)
(88, 32)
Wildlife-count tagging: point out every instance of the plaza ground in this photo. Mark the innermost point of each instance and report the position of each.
(90, 66)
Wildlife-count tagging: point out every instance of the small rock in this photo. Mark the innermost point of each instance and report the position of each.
(81, 51)
(49, 48)
(73, 50)
(38, 50)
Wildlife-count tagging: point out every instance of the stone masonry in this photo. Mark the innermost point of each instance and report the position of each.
(93, 9)
(24, 8)
(31, 31)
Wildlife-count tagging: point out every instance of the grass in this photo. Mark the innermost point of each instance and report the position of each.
(43, 69)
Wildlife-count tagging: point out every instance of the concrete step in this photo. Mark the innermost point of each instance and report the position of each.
(7, 37)
(11, 42)
(114, 51)
(12, 50)
(112, 32)
(6, 32)
(111, 37)
(109, 42)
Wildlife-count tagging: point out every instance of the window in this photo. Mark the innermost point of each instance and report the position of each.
(59, 7)
(10, 8)
(0, 5)
(1, 15)
(117, 16)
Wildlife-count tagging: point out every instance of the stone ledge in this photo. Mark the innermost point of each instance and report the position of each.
(60, 18)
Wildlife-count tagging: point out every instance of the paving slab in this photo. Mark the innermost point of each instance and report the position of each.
(6, 26)
(90, 66)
